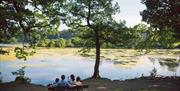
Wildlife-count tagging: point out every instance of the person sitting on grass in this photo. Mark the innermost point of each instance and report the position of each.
(78, 81)
(55, 84)
(62, 83)
(71, 81)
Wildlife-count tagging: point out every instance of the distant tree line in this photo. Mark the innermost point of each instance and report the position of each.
(139, 36)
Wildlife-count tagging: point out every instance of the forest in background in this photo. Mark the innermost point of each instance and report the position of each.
(136, 37)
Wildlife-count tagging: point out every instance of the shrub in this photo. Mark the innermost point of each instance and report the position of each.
(20, 76)
(153, 73)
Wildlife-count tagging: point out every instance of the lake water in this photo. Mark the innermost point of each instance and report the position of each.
(45, 69)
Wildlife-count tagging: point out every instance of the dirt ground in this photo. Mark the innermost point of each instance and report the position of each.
(140, 84)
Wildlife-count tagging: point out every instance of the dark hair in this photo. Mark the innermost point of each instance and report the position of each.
(57, 80)
(62, 77)
(72, 77)
(78, 78)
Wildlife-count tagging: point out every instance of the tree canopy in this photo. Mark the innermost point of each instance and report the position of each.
(28, 18)
(93, 18)
(163, 15)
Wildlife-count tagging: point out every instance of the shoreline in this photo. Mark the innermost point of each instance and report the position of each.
(104, 84)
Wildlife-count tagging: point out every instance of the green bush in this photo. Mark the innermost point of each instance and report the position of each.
(51, 43)
(1, 78)
(62, 42)
(20, 76)
(69, 43)
(12, 40)
(153, 73)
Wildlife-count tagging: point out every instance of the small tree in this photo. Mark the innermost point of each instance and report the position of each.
(153, 73)
(20, 76)
(96, 14)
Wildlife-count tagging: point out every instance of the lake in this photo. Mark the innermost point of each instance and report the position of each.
(46, 68)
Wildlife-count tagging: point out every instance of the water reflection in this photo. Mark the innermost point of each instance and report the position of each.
(126, 64)
(171, 64)
(44, 70)
(166, 63)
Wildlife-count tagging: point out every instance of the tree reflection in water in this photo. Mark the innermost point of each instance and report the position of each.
(171, 64)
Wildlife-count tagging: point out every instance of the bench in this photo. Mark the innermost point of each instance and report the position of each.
(76, 88)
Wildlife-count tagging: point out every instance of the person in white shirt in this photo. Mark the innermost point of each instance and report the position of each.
(71, 81)
(78, 81)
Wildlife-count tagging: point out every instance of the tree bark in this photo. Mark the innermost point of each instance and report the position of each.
(96, 67)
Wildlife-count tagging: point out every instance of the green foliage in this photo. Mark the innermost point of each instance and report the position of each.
(78, 42)
(97, 14)
(22, 54)
(108, 45)
(142, 36)
(170, 63)
(65, 34)
(44, 43)
(84, 51)
(12, 40)
(69, 43)
(59, 39)
(163, 15)
(145, 37)
(117, 35)
(3, 52)
(31, 21)
(19, 72)
(20, 75)
(62, 42)
(153, 73)
(37, 21)
(52, 43)
(1, 78)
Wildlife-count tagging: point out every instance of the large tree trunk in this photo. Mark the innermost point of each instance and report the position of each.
(96, 67)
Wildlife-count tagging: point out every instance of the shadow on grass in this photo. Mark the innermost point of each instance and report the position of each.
(119, 89)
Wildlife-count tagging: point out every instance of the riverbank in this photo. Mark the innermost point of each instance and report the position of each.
(139, 84)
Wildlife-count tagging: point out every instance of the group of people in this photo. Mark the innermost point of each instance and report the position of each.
(71, 82)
